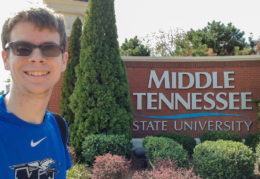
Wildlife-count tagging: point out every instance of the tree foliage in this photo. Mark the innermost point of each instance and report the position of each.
(134, 47)
(222, 39)
(214, 39)
(100, 100)
(69, 76)
(161, 43)
(190, 44)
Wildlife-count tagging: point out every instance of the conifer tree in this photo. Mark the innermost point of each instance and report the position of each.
(134, 47)
(69, 76)
(100, 100)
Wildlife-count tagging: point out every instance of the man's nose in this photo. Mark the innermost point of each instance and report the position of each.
(36, 56)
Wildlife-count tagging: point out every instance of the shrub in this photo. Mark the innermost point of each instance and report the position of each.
(72, 154)
(110, 167)
(216, 135)
(257, 152)
(101, 144)
(252, 140)
(165, 169)
(164, 148)
(186, 141)
(223, 159)
(78, 171)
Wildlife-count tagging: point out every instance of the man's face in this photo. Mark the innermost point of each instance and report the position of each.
(35, 73)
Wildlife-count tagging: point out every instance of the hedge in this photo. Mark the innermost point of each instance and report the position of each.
(185, 140)
(165, 148)
(101, 144)
(223, 159)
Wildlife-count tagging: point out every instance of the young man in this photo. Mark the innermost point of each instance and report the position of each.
(33, 43)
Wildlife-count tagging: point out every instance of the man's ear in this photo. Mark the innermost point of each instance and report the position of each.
(64, 61)
(5, 60)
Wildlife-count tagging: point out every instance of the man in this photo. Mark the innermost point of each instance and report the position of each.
(33, 43)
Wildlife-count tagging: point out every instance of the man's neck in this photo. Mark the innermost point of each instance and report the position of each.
(28, 107)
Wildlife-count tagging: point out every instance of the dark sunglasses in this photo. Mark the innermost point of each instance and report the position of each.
(22, 48)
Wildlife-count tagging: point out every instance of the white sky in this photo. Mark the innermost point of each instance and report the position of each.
(141, 17)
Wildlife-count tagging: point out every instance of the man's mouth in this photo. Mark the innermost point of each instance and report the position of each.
(37, 73)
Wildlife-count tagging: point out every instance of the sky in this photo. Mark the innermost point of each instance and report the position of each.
(143, 17)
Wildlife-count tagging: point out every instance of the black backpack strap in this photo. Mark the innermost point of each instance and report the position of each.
(62, 127)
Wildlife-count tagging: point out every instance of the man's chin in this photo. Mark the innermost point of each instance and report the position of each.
(39, 91)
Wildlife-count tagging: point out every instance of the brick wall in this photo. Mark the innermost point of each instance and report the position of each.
(244, 81)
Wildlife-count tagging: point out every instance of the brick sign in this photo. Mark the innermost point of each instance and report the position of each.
(193, 95)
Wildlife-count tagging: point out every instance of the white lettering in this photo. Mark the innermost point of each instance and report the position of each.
(248, 125)
(232, 100)
(195, 100)
(209, 101)
(198, 79)
(139, 100)
(215, 80)
(151, 100)
(227, 79)
(168, 103)
(244, 100)
(181, 81)
(165, 78)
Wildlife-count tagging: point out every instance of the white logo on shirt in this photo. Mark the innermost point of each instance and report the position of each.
(34, 144)
(36, 169)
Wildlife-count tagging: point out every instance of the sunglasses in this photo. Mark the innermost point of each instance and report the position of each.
(22, 48)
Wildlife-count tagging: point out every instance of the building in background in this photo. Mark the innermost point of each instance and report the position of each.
(70, 9)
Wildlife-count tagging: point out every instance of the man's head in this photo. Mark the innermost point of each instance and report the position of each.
(41, 18)
(34, 44)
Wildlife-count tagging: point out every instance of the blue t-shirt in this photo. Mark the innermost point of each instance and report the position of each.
(31, 151)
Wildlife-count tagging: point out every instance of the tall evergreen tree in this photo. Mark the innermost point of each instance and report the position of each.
(69, 76)
(100, 100)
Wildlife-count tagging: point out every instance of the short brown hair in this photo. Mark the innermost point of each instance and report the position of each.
(41, 18)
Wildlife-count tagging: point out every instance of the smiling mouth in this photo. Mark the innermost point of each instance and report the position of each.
(38, 73)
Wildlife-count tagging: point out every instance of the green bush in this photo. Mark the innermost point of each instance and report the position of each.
(165, 148)
(78, 171)
(223, 159)
(257, 152)
(252, 140)
(101, 144)
(186, 141)
(216, 135)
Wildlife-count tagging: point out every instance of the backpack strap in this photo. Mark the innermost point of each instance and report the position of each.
(62, 127)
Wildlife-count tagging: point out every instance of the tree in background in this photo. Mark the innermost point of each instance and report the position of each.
(69, 76)
(254, 44)
(134, 47)
(100, 100)
(214, 39)
(190, 44)
(161, 43)
(223, 39)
